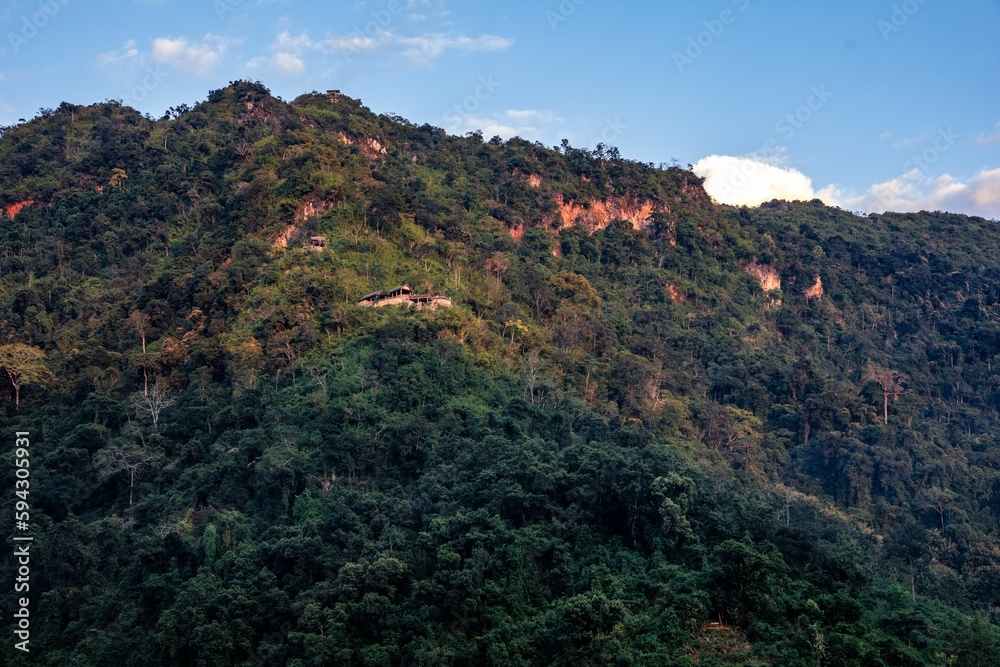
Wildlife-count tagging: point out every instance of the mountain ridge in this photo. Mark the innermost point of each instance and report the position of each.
(639, 416)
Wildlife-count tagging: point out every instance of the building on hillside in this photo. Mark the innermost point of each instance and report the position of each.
(333, 96)
(317, 242)
(404, 296)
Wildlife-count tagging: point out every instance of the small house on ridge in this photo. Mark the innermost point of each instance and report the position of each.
(404, 295)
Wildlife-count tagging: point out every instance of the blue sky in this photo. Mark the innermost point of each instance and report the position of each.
(870, 105)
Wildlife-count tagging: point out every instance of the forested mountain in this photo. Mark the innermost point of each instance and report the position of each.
(651, 430)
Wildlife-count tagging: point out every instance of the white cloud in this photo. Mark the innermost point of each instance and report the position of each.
(916, 191)
(419, 49)
(127, 54)
(991, 138)
(286, 54)
(424, 49)
(282, 63)
(198, 58)
(909, 142)
(297, 44)
(530, 124)
(748, 181)
(288, 63)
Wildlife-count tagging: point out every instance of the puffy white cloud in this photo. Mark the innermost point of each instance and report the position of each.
(916, 191)
(282, 63)
(198, 58)
(287, 54)
(288, 63)
(750, 181)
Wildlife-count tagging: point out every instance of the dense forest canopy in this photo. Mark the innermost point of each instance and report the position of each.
(651, 430)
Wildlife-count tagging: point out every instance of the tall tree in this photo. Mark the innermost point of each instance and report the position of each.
(23, 365)
(129, 459)
(152, 402)
(890, 381)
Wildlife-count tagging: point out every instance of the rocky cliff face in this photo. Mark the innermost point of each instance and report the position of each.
(766, 275)
(596, 215)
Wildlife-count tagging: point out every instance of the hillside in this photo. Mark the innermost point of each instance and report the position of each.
(650, 430)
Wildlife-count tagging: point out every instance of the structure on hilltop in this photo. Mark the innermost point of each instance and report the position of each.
(404, 296)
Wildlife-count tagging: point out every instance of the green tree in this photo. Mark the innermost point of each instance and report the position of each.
(24, 365)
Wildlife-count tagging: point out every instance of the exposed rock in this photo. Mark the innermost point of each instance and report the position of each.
(535, 180)
(369, 146)
(13, 209)
(308, 210)
(312, 209)
(766, 275)
(600, 213)
(286, 236)
(816, 291)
